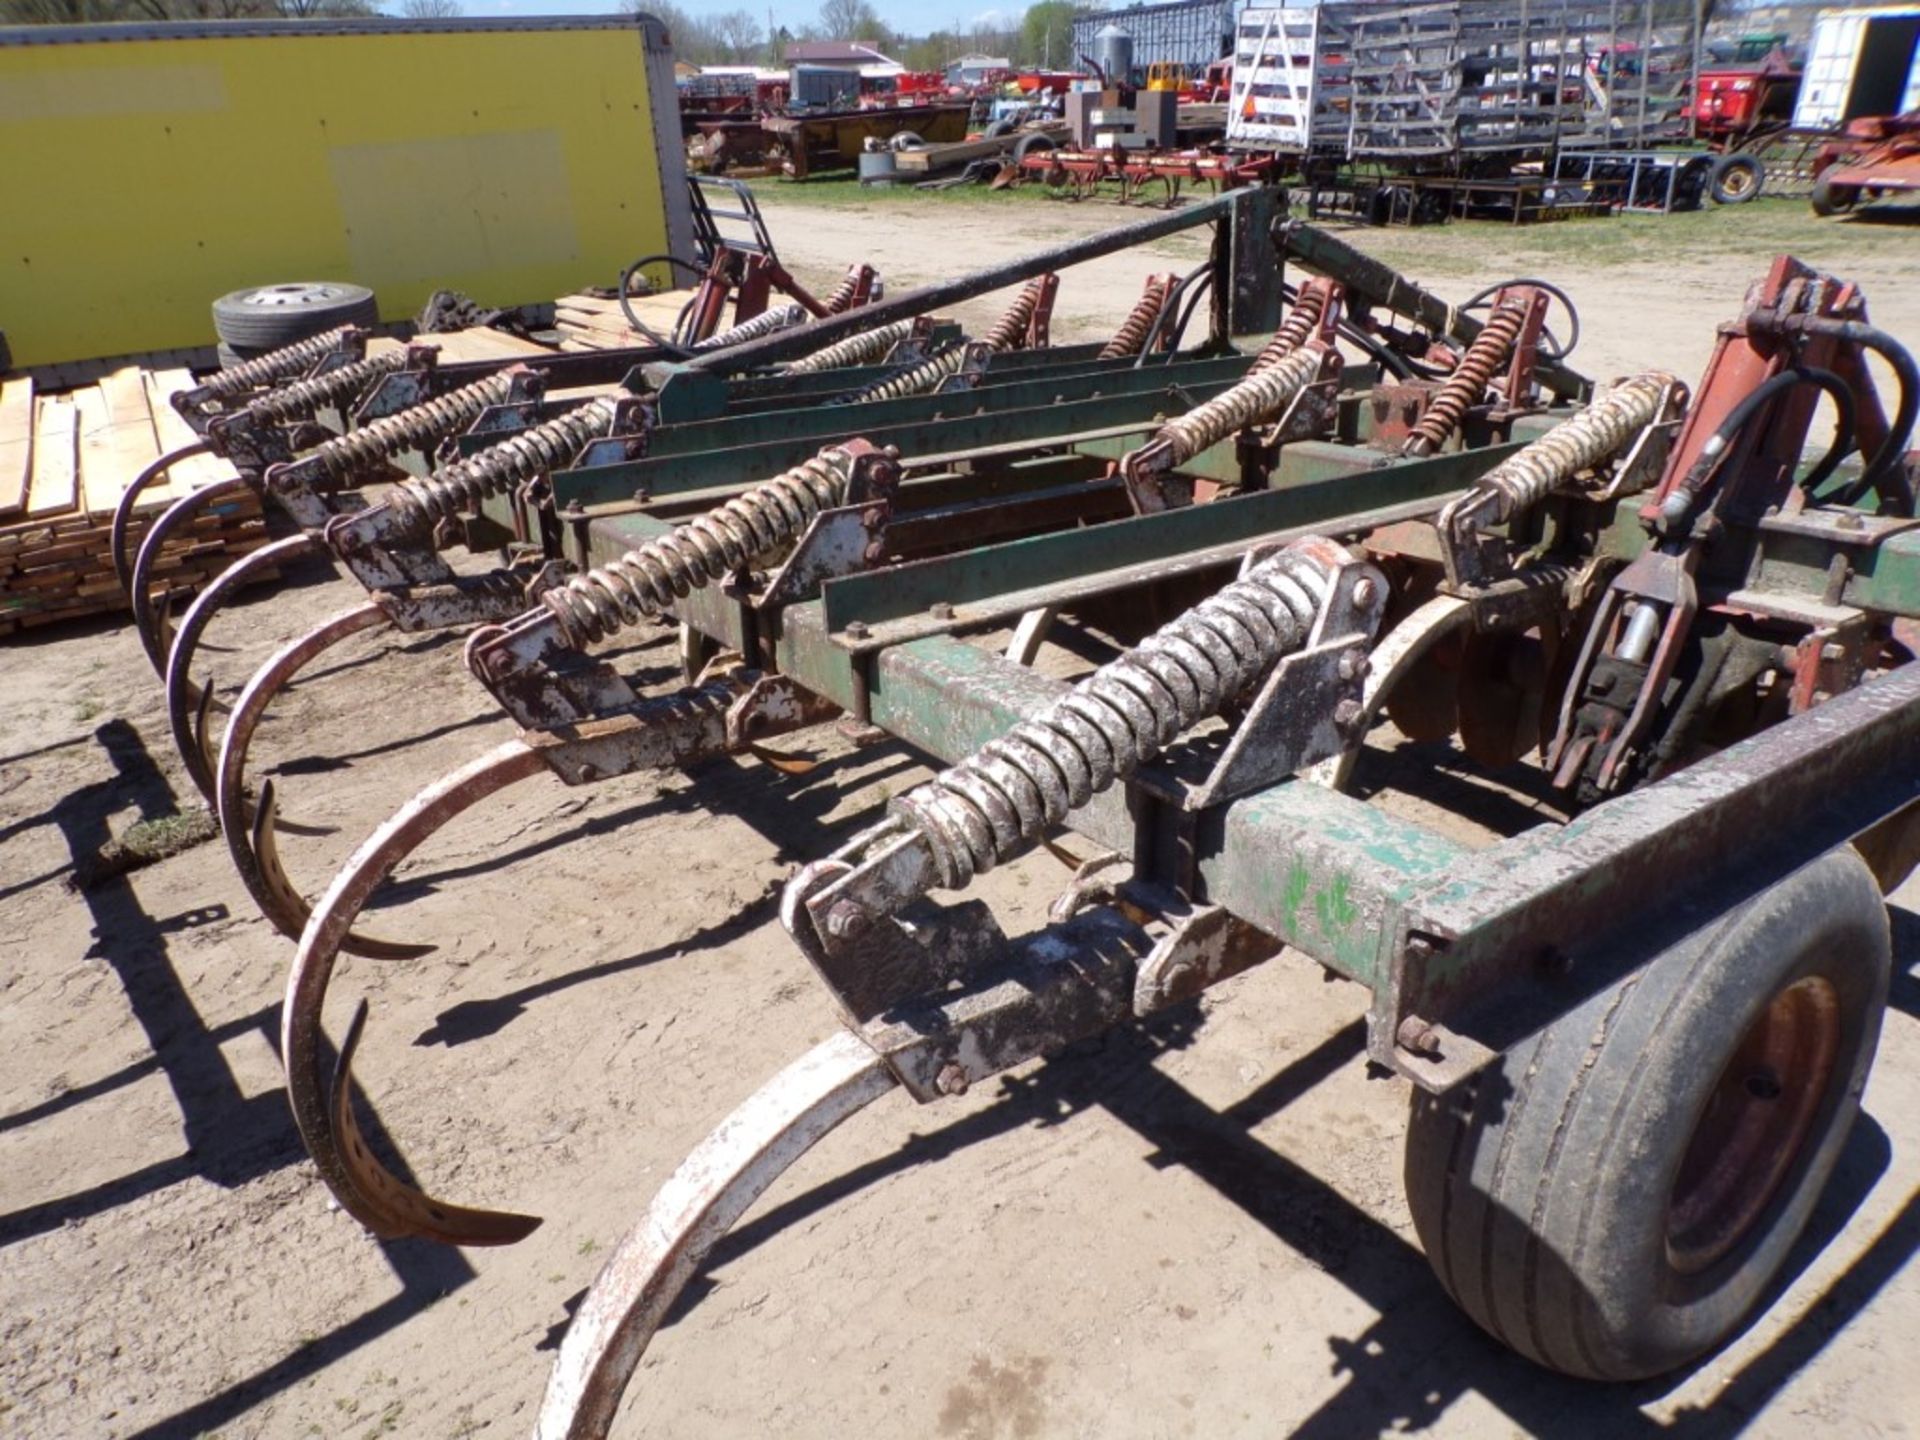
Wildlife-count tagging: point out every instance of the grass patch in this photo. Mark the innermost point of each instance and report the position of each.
(146, 842)
(1719, 232)
(1464, 247)
(844, 190)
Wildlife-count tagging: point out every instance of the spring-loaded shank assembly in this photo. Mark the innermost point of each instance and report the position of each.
(495, 470)
(767, 322)
(1010, 331)
(266, 369)
(861, 349)
(644, 582)
(1307, 316)
(303, 399)
(1131, 337)
(990, 806)
(1464, 388)
(361, 450)
(1256, 400)
(1597, 433)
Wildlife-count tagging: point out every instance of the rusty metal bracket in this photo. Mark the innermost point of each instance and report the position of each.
(975, 360)
(402, 389)
(1195, 946)
(1305, 712)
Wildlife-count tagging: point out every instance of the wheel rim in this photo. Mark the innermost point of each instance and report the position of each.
(1755, 1124)
(1738, 180)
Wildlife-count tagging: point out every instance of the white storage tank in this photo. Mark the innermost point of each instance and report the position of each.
(1860, 62)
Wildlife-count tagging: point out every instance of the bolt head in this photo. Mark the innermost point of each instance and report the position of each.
(1348, 713)
(952, 1079)
(857, 629)
(1364, 590)
(1354, 664)
(1416, 1035)
(845, 918)
(942, 610)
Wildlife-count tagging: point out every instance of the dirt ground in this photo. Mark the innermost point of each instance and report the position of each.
(1193, 1229)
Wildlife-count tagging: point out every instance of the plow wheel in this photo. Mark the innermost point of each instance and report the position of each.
(1499, 683)
(1424, 704)
(1613, 1196)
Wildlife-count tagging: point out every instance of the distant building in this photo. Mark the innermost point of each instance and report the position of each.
(974, 69)
(855, 56)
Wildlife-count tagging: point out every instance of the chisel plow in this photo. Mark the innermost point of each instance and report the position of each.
(1636, 1038)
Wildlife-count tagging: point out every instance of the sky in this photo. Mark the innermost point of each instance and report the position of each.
(902, 15)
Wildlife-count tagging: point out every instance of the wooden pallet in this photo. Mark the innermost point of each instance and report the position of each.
(65, 461)
(592, 322)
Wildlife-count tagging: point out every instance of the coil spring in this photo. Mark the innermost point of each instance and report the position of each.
(1132, 333)
(1260, 397)
(302, 398)
(842, 297)
(1009, 332)
(984, 809)
(418, 426)
(1308, 306)
(533, 452)
(765, 323)
(649, 578)
(914, 380)
(1602, 429)
(274, 365)
(1468, 382)
(854, 350)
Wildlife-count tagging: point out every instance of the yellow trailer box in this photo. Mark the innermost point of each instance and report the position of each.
(147, 169)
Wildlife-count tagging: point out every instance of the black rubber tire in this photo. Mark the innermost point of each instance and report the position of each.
(1736, 179)
(265, 317)
(1541, 1188)
(1831, 199)
(997, 128)
(230, 357)
(906, 140)
(1027, 144)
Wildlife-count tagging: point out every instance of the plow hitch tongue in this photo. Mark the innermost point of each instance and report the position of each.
(937, 998)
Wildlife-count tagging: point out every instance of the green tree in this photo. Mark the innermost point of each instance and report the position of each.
(853, 20)
(1046, 35)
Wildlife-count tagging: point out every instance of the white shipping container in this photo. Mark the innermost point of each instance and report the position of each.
(1860, 62)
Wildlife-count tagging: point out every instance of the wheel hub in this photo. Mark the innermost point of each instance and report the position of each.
(1754, 1125)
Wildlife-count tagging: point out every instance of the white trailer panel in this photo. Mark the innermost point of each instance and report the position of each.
(1860, 62)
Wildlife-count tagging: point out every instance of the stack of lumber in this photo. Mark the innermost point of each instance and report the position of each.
(457, 347)
(594, 322)
(65, 460)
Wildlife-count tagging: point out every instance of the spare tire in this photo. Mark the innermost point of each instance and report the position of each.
(266, 317)
(1027, 144)
(1735, 179)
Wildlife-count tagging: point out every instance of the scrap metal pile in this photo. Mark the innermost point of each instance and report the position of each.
(1392, 508)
